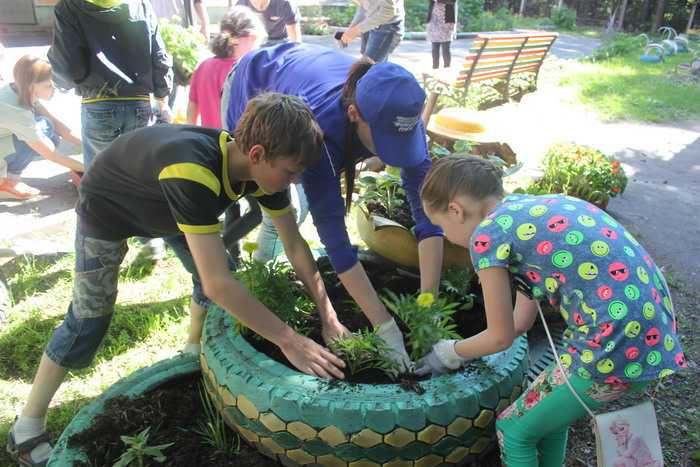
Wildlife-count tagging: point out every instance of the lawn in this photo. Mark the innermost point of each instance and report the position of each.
(625, 88)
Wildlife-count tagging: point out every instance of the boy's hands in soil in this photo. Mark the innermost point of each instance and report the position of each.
(333, 329)
(312, 359)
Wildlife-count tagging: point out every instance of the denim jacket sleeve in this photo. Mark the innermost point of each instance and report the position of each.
(161, 61)
(412, 178)
(68, 54)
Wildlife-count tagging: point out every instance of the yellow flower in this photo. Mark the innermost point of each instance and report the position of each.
(250, 247)
(425, 300)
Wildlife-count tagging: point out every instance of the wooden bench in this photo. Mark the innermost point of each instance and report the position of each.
(491, 57)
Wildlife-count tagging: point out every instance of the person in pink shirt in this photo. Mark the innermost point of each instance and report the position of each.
(241, 31)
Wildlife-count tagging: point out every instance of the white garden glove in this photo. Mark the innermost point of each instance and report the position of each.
(441, 359)
(392, 336)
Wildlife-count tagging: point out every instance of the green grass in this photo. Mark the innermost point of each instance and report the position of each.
(149, 324)
(625, 88)
(538, 22)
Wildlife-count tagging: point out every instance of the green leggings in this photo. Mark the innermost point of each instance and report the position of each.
(532, 431)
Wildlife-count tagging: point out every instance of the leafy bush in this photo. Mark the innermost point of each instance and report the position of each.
(363, 351)
(271, 283)
(615, 46)
(416, 14)
(455, 283)
(501, 20)
(339, 15)
(314, 28)
(186, 45)
(564, 17)
(582, 172)
(428, 320)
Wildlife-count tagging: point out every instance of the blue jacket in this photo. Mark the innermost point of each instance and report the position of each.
(109, 52)
(317, 74)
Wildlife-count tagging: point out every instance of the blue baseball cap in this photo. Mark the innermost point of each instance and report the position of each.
(391, 101)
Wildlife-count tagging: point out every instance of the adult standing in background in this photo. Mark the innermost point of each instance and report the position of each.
(166, 9)
(441, 28)
(381, 25)
(281, 18)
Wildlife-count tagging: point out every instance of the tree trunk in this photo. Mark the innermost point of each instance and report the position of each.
(522, 7)
(621, 20)
(611, 20)
(692, 17)
(659, 16)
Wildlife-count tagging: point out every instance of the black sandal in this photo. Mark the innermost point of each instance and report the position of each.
(22, 452)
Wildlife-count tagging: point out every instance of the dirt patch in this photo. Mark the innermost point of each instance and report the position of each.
(174, 412)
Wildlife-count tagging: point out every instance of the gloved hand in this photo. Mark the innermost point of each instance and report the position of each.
(441, 359)
(392, 336)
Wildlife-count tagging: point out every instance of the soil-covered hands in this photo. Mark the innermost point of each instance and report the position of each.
(311, 358)
(441, 359)
(392, 336)
(332, 329)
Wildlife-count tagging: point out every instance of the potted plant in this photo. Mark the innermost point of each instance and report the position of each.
(372, 417)
(580, 171)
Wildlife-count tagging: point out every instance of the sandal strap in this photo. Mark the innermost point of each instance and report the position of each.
(28, 445)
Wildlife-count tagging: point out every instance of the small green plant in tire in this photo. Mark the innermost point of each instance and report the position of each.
(138, 450)
(363, 351)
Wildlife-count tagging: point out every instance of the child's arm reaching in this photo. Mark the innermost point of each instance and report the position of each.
(498, 335)
(525, 313)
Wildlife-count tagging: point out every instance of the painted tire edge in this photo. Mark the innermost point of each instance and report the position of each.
(132, 386)
(270, 405)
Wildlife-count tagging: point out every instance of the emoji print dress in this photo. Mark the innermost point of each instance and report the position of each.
(576, 257)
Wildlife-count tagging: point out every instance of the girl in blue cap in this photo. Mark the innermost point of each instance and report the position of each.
(621, 329)
(363, 110)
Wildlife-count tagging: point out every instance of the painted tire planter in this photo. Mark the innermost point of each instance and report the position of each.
(132, 386)
(302, 420)
(396, 243)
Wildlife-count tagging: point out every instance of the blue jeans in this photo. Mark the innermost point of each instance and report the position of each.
(102, 122)
(378, 43)
(75, 342)
(23, 154)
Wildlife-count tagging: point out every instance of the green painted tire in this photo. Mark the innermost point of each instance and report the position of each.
(302, 420)
(132, 386)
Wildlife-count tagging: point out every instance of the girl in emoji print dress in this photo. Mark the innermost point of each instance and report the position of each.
(621, 331)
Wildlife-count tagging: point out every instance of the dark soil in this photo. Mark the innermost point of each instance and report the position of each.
(174, 413)
(401, 214)
(384, 276)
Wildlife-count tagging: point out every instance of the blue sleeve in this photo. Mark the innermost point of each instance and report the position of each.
(412, 180)
(327, 208)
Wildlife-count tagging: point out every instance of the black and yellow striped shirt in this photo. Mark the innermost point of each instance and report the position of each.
(163, 180)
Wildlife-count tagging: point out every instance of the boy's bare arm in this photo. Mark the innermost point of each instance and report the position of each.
(210, 258)
(302, 260)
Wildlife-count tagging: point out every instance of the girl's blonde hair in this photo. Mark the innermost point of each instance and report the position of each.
(459, 175)
(27, 71)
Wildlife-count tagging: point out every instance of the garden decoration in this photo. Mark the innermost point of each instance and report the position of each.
(185, 45)
(653, 52)
(69, 452)
(384, 222)
(582, 172)
(303, 420)
(670, 42)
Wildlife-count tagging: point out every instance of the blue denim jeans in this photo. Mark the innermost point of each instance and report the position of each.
(102, 122)
(75, 342)
(23, 154)
(378, 43)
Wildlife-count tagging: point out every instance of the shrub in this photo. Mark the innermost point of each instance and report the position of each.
(564, 17)
(428, 320)
(582, 172)
(615, 46)
(186, 45)
(314, 28)
(501, 20)
(339, 15)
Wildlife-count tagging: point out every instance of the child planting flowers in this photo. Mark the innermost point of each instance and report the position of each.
(621, 332)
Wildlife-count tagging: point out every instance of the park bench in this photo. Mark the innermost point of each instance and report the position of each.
(491, 57)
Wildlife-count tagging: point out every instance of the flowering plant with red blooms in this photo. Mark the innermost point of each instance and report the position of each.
(582, 172)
